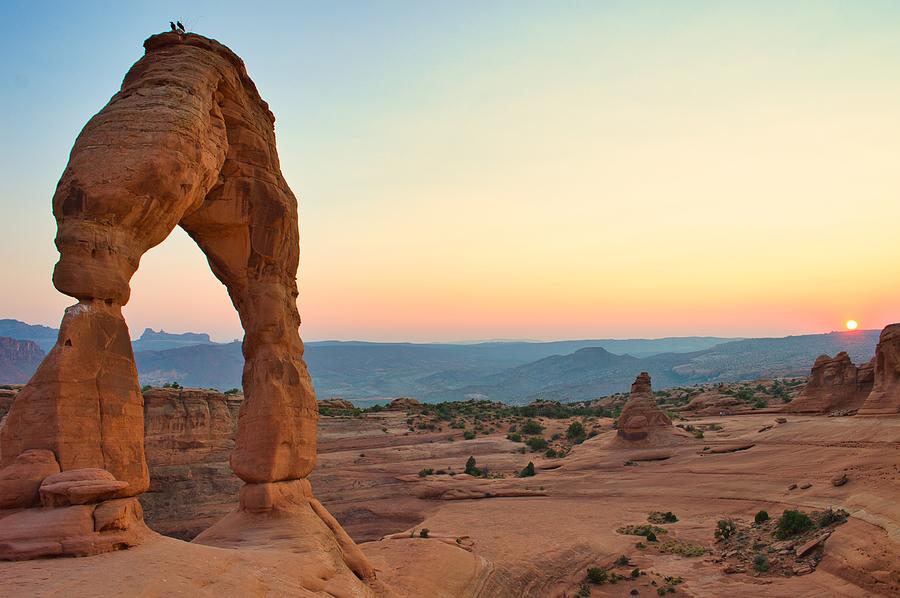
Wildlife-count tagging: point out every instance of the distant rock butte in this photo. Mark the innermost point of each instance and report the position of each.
(18, 360)
(885, 395)
(834, 384)
(189, 142)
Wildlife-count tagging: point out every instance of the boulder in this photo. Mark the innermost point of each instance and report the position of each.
(20, 480)
(79, 487)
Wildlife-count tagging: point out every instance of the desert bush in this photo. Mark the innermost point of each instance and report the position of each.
(575, 432)
(532, 427)
(622, 561)
(423, 533)
(471, 469)
(761, 517)
(698, 434)
(551, 453)
(426, 472)
(761, 563)
(725, 528)
(514, 437)
(830, 516)
(527, 471)
(791, 523)
(681, 548)
(660, 517)
(536, 443)
(642, 530)
(597, 576)
(468, 435)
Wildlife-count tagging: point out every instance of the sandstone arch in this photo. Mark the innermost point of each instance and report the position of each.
(189, 142)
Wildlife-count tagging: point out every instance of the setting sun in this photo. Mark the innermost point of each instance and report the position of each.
(852, 324)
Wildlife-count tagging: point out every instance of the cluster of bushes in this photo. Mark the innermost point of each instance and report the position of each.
(660, 517)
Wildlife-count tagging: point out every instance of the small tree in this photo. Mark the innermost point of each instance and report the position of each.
(527, 471)
(761, 517)
(471, 469)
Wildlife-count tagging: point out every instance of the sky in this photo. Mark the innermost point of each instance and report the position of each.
(540, 170)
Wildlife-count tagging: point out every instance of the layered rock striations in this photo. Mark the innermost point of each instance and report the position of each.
(885, 396)
(835, 384)
(189, 437)
(188, 142)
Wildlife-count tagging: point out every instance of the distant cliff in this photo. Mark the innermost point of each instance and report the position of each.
(18, 360)
(162, 341)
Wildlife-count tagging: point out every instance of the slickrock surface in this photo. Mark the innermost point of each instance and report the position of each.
(488, 547)
(885, 395)
(834, 384)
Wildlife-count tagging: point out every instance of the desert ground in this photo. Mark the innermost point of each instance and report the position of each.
(537, 536)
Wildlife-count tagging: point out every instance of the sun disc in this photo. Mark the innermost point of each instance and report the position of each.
(852, 324)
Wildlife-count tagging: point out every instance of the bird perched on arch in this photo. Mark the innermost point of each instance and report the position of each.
(181, 28)
(172, 25)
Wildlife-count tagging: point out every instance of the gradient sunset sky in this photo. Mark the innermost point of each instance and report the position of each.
(479, 170)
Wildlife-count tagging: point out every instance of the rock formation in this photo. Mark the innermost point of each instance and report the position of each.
(189, 437)
(885, 395)
(18, 359)
(834, 384)
(641, 418)
(404, 404)
(188, 142)
(336, 403)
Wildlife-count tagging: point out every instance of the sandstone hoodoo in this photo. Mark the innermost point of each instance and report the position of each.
(641, 419)
(188, 142)
(885, 396)
(835, 384)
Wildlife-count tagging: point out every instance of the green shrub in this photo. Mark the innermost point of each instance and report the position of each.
(527, 471)
(575, 432)
(532, 427)
(698, 434)
(426, 472)
(536, 443)
(584, 591)
(551, 453)
(468, 435)
(791, 523)
(761, 563)
(471, 469)
(622, 561)
(759, 404)
(830, 516)
(635, 573)
(233, 391)
(761, 517)
(660, 517)
(514, 437)
(651, 537)
(423, 533)
(597, 576)
(725, 528)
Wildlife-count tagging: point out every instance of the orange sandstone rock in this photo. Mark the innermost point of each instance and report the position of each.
(834, 384)
(885, 395)
(640, 416)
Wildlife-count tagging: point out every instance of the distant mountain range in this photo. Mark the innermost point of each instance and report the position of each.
(515, 371)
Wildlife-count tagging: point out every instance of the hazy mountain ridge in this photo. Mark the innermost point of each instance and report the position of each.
(515, 371)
